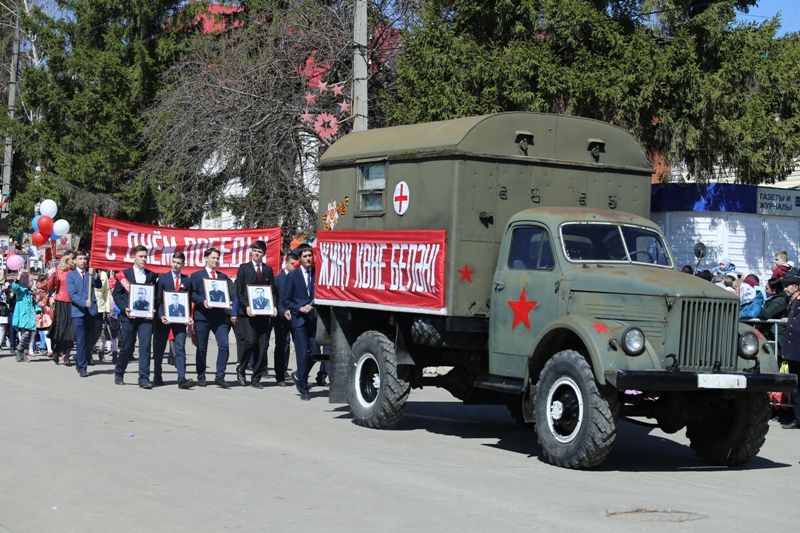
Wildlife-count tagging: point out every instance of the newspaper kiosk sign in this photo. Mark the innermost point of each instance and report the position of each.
(382, 269)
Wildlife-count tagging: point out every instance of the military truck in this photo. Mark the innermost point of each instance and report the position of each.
(514, 249)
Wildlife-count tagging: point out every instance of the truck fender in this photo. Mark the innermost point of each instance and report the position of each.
(594, 338)
(767, 358)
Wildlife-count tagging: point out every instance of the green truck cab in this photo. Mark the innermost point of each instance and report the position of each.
(558, 297)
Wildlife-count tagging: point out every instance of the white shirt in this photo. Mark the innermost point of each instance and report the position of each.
(211, 273)
(138, 275)
(258, 265)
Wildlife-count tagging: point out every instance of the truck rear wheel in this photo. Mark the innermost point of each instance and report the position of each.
(379, 387)
(575, 424)
(730, 431)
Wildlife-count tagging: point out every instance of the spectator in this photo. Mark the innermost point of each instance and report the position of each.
(774, 308)
(705, 274)
(25, 311)
(723, 267)
(783, 267)
(687, 269)
(755, 296)
(791, 348)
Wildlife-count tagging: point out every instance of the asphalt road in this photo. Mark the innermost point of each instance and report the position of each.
(85, 455)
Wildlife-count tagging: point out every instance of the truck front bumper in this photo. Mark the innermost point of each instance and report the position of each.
(662, 380)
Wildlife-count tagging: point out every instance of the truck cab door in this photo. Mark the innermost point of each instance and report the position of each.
(524, 297)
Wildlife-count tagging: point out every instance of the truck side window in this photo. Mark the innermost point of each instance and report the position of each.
(371, 185)
(530, 249)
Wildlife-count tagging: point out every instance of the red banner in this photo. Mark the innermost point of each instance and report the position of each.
(113, 240)
(381, 269)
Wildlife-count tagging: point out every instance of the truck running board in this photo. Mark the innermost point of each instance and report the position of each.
(501, 384)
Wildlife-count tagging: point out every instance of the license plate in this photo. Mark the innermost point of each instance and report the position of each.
(721, 381)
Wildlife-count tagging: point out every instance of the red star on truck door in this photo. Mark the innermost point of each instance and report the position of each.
(466, 274)
(600, 328)
(522, 308)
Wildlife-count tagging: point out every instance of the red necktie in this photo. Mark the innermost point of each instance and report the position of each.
(213, 274)
(177, 283)
(258, 271)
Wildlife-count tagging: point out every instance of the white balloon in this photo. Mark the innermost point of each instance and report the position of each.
(60, 227)
(48, 208)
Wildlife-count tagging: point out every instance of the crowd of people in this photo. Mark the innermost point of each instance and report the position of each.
(72, 311)
(776, 300)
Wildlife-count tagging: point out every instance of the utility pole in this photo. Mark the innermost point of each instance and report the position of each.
(8, 154)
(360, 67)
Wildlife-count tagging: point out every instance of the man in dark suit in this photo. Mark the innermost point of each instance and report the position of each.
(133, 328)
(80, 285)
(141, 303)
(253, 331)
(175, 307)
(283, 327)
(177, 282)
(300, 310)
(208, 319)
(215, 294)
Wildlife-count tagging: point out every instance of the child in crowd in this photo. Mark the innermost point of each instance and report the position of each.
(43, 322)
(25, 310)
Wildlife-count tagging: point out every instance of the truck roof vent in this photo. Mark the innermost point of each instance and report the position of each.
(596, 147)
(524, 139)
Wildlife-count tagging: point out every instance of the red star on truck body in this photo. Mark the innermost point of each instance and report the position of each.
(466, 274)
(600, 328)
(522, 308)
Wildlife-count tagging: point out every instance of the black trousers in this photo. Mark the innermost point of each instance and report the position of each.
(283, 336)
(794, 368)
(252, 336)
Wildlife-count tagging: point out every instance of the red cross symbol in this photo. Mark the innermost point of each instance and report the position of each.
(401, 198)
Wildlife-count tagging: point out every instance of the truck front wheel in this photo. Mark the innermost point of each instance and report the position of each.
(575, 424)
(379, 387)
(729, 431)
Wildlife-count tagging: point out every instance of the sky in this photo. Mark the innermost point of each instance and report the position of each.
(766, 9)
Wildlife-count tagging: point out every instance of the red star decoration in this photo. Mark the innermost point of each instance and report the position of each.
(522, 309)
(344, 107)
(466, 273)
(600, 328)
(306, 117)
(337, 89)
(321, 85)
(311, 99)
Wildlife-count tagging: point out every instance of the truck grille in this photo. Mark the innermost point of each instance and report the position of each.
(709, 332)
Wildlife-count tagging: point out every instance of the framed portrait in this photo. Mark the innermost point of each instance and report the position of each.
(259, 299)
(176, 307)
(217, 293)
(141, 300)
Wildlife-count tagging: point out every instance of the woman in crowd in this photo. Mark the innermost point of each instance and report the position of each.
(62, 336)
(24, 319)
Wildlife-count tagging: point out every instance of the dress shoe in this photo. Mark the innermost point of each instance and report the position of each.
(221, 384)
(157, 382)
(305, 396)
(145, 385)
(201, 381)
(83, 374)
(118, 380)
(282, 384)
(257, 385)
(240, 377)
(791, 425)
(186, 383)
(297, 383)
(321, 381)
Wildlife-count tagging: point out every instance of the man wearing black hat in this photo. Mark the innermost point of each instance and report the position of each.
(253, 331)
(791, 342)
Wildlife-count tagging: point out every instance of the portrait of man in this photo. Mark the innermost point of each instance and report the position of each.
(259, 302)
(141, 303)
(175, 307)
(215, 294)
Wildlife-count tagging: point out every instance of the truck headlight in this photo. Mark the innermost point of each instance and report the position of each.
(748, 345)
(632, 341)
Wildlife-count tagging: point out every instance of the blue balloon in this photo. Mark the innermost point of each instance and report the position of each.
(54, 237)
(35, 222)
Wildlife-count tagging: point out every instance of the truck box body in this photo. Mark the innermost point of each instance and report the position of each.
(469, 176)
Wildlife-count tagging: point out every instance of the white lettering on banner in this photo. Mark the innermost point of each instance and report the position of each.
(109, 237)
(369, 266)
(412, 267)
(335, 261)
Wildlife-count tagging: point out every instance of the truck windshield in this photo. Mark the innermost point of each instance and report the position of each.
(614, 243)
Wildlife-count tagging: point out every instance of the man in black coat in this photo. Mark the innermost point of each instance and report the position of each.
(791, 342)
(253, 331)
(283, 326)
(134, 327)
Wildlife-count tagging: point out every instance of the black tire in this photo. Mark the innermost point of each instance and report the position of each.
(575, 423)
(379, 387)
(730, 431)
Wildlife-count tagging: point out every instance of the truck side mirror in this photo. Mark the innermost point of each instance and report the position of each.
(699, 250)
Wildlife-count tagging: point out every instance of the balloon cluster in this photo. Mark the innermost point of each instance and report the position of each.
(43, 225)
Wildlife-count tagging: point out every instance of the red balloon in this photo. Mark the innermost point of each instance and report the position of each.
(45, 225)
(38, 238)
